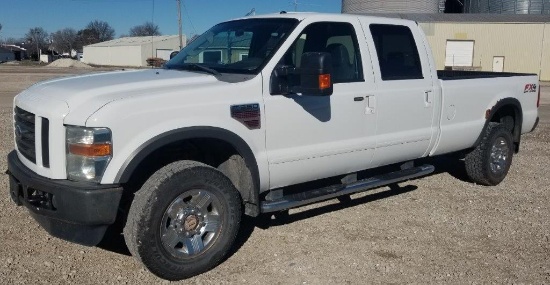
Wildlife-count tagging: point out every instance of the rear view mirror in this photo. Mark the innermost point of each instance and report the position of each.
(312, 78)
(316, 74)
(173, 54)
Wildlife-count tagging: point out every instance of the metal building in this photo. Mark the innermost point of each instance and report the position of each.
(487, 42)
(6, 55)
(507, 6)
(130, 51)
(392, 6)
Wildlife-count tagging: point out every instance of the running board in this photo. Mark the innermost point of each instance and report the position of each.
(322, 194)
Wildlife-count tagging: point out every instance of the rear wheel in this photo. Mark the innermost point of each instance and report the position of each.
(489, 162)
(184, 220)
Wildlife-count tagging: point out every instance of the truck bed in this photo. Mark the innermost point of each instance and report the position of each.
(467, 95)
(460, 74)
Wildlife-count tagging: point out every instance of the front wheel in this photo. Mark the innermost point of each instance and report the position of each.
(489, 162)
(184, 220)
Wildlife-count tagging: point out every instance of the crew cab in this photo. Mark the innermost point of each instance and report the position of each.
(244, 120)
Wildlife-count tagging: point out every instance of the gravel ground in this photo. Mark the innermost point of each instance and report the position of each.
(438, 229)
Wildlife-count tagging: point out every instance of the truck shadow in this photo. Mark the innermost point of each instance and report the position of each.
(114, 240)
(265, 221)
(283, 218)
(451, 164)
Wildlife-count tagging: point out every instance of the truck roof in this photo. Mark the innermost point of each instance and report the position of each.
(324, 16)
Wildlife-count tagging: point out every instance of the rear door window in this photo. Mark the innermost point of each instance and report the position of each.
(397, 52)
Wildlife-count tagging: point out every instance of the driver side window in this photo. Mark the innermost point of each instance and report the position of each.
(339, 40)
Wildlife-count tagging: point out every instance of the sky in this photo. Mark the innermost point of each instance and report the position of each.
(17, 17)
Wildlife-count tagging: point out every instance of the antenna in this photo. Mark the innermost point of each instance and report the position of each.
(251, 13)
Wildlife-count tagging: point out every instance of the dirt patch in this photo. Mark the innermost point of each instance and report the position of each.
(440, 229)
(67, 62)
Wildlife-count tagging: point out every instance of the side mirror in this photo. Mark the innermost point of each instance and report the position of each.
(173, 54)
(312, 78)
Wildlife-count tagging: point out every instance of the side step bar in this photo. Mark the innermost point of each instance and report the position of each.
(322, 194)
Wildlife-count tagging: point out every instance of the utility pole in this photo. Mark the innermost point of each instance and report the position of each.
(179, 23)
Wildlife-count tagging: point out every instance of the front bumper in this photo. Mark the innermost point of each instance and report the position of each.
(73, 211)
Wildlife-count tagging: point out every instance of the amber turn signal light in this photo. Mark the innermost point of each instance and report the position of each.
(91, 149)
(324, 81)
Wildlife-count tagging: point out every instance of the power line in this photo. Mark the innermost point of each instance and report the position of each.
(189, 18)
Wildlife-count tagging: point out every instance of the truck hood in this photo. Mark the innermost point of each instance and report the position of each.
(81, 96)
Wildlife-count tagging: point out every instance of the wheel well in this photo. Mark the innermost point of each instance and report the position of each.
(508, 112)
(214, 152)
(506, 115)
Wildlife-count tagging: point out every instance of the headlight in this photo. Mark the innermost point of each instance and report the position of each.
(89, 150)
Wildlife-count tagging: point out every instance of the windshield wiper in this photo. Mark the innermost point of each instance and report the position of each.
(195, 66)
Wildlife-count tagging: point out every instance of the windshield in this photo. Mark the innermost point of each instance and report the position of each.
(240, 46)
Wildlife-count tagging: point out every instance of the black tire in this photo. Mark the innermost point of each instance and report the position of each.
(496, 145)
(161, 207)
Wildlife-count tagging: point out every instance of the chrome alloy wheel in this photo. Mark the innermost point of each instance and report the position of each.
(499, 155)
(191, 223)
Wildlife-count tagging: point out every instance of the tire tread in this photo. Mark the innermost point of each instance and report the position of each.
(141, 208)
(476, 162)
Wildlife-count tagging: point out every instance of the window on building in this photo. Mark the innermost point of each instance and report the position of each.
(214, 56)
(397, 52)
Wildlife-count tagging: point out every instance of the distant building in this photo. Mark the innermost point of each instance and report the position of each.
(218, 51)
(392, 6)
(487, 42)
(130, 51)
(12, 52)
(507, 6)
(6, 55)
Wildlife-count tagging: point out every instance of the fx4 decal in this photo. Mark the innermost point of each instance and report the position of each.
(530, 88)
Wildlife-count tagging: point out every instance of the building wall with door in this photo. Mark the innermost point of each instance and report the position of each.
(521, 41)
(130, 51)
(160, 48)
(524, 46)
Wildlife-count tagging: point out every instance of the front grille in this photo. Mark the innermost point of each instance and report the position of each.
(24, 133)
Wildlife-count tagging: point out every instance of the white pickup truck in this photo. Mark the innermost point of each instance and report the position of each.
(241, 119)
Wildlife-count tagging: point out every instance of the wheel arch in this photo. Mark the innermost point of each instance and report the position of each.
(505, 107)
(140, 155)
